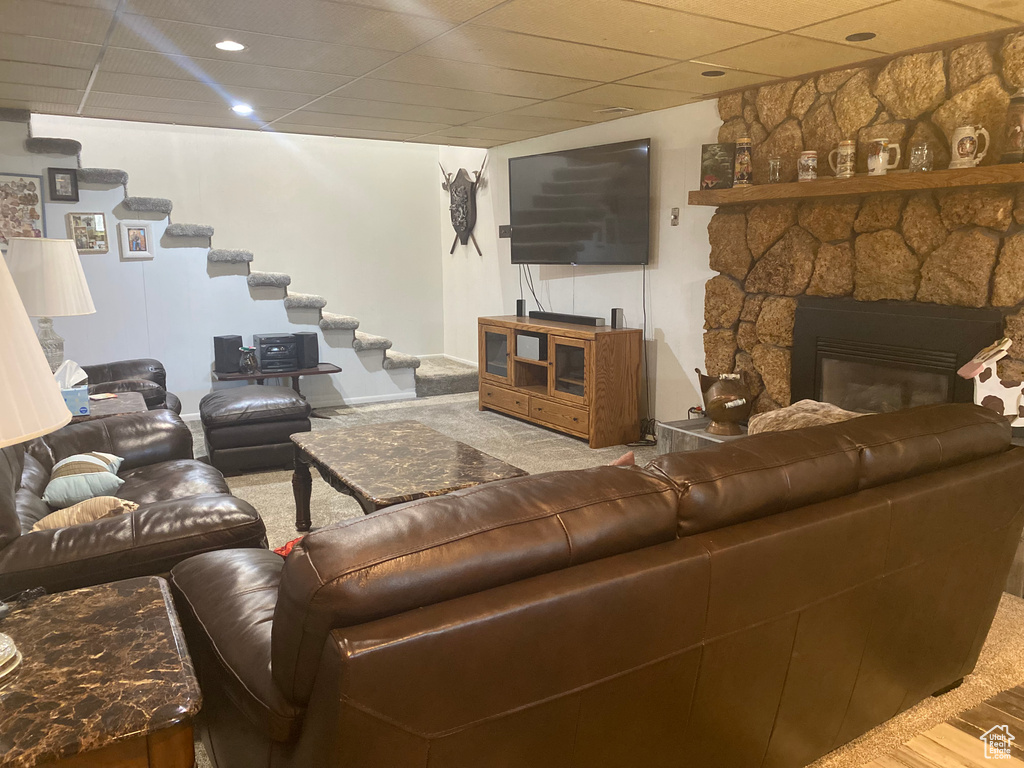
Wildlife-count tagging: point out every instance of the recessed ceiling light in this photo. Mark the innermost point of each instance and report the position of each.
(230, 45)
(712, 73)
(613, 110)
(242, 109)
(860, 37)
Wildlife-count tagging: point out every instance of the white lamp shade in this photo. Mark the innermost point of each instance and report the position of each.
(49, 277)
(31, 404)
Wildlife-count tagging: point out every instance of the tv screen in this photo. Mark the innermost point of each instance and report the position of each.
(582, 206)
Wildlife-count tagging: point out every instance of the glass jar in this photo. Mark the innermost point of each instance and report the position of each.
(774, 170)
(247, 362)
(921, 157)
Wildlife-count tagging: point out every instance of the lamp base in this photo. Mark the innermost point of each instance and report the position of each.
(52, 344)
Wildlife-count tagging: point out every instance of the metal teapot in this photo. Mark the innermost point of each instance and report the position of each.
(727, 402)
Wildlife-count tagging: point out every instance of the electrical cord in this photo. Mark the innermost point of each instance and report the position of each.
(529, 284)
(648, 425)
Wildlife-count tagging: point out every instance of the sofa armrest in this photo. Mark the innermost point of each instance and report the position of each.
(150, 540)
(154, 395)
(139, 438)
(142, 368)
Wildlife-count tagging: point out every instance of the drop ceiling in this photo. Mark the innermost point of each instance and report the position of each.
(465, 72)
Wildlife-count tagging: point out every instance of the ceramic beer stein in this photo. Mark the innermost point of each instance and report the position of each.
(965, 146)
(1014, 151)
(743, 172)
(879, 154)
(807, 166)
(843, 160)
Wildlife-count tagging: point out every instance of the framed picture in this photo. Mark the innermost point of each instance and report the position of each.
(21, 207)
(716, 165)
(63, 184)
(89, 231)
(136, 240)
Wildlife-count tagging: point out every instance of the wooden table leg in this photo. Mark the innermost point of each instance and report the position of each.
(295, 384)
(302, 487)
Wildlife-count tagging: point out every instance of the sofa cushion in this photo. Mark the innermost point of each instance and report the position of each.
(251, 404)
(261, 433)
(179, 479)
(894, 446)
(226, 602)
(758, 476)
(435, 549)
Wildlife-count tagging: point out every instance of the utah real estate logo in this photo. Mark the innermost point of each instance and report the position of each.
(997, 742)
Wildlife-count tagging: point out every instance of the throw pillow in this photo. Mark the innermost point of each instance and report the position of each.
(86, 512)
(806, 413)
(82, 476)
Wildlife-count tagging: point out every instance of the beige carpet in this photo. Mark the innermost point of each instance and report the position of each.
(1001, 665)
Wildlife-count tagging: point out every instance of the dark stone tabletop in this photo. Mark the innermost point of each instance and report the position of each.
(101, 664)
(125, 402)
(400, 461)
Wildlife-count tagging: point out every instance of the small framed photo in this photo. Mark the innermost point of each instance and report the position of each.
(63, 184)
(136, 240)
(89, 231)
(716, 165)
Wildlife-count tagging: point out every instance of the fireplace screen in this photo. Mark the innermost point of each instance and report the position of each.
(870, 387)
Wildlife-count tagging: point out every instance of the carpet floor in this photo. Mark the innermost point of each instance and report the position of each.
(1000, 666)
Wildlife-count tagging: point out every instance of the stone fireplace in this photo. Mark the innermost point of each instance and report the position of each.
(874, 357)
(942, 248)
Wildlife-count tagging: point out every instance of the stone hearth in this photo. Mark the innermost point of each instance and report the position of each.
(962, 247)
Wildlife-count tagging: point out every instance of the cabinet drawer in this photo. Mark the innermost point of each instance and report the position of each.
(504, 399)
(559, 415)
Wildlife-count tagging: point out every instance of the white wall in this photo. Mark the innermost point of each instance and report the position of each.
(349, 219)
(489, 285)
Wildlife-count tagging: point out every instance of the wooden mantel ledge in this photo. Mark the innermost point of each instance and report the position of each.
(862, 184)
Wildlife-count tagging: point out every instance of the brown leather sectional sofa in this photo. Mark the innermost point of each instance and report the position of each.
(144, 375)
(185, 507)
(755, 604)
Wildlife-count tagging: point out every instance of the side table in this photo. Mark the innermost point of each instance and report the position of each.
(689, 435)
(125, 402)
(106, 680)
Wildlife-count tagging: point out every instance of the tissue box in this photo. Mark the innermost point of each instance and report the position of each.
(77, 400)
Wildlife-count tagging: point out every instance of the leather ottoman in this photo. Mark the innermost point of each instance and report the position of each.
(248, 428)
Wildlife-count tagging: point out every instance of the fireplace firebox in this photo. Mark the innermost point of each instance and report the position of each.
(885, 356)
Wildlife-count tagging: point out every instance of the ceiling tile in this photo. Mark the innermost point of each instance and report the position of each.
(924, 22)
(40, 50)
(565, 110)
(178, 40)
(362, 107)
(226, 73)
(304, 19)
(614, 95)
(357, 122)
(41, 74)
(1011, 9)
(193, 90)
(529, 123)
(687, 77)
(167, 118)
(41, 18)
(497, 47)
(42, 107)
(622, 25)
(455, 11)
(427, 95)
(349, 133)
(780, 15)
(39, 93)
(487, 134)
(478, 77)
(787, 56)
(180, 107)
(454, 141)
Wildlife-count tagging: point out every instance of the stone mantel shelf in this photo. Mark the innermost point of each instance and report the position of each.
(984, 176)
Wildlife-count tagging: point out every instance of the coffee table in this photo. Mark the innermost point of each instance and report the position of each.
(106, 680)
(384, 464)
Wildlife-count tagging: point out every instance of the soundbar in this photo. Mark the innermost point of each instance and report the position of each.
(559, 317)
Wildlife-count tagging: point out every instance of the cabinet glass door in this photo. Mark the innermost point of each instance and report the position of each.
(569, 369)
(495, 353)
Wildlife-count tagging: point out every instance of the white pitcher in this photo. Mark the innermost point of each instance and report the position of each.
(965, 146)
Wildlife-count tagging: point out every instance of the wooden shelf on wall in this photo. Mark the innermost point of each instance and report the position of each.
(862, 184)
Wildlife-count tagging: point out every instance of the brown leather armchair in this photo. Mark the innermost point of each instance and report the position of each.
(145, 376)
(185, 507)
(758, 603)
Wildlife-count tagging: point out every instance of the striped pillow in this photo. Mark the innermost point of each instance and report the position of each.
(85, 512)
(82, 477)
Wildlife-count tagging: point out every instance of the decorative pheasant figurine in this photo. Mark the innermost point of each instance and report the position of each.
(1005, 397)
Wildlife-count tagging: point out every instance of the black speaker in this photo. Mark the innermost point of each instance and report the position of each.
(520, 307)
(226, 354)
(308, 349)
(618, 317)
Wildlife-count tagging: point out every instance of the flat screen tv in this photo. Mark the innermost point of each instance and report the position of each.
(582, 206)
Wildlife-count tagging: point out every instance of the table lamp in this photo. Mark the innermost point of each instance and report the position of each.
(49, 277)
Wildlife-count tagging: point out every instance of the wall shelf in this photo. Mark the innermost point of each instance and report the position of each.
(862, 184)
